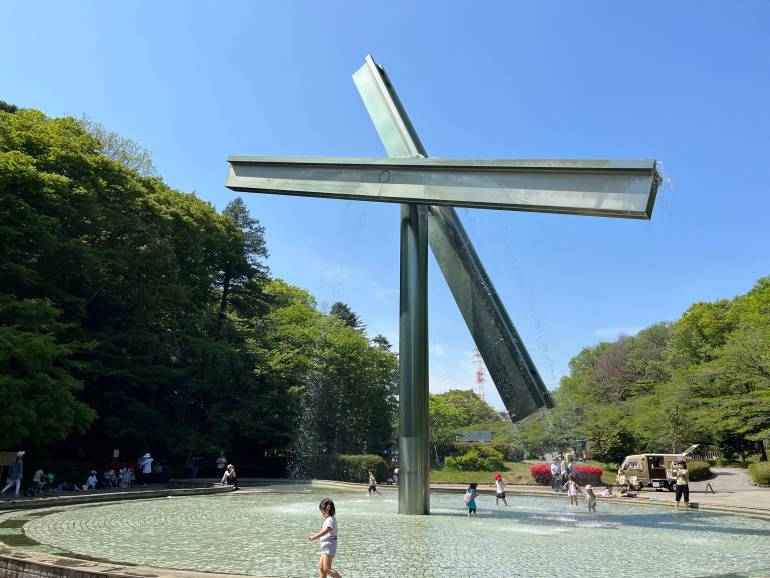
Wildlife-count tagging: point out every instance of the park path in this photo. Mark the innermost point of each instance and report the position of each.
(727, 480)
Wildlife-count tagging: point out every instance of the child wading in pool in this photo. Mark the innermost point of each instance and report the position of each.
(500, 490)
(590, 498)
(572, 490)
(372, 483)
(328, 535)
(470, 499)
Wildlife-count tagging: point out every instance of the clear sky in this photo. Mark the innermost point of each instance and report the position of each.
(687, 83)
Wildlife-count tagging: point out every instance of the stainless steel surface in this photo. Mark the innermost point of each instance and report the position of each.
(398, 135)
(414, 434)
(430, 188)
(515, 376)
(574, 187)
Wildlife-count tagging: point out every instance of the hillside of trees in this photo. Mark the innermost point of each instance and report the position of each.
(135, 316)
(704, 378)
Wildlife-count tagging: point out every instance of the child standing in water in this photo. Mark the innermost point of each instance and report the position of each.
(500, 490)
(590, 498)
(572, 490)
(372, 483)
(470, 499)
(328, 535)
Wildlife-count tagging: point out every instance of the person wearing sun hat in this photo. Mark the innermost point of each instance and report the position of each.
(146, 468)
(500, 490)
(91, 481)
(15, 473)
(590, 498)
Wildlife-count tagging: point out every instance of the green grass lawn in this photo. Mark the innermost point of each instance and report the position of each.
(515, 473)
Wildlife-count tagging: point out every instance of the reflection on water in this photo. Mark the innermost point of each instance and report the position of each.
(264, 534)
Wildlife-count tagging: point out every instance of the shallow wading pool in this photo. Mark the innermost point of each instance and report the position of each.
(264, 533)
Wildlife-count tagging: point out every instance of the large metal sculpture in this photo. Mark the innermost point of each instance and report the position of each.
(428, 189)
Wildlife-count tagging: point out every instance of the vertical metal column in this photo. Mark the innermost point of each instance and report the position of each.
(414, 440)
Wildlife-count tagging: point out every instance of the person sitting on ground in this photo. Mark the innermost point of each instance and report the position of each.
(91, 481)
(230, 478)
(607, 493)
(157, 471)
(67, 487)
(39, 478)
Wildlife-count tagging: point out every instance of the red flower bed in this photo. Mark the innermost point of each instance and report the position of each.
(589, 474)
(541, 473)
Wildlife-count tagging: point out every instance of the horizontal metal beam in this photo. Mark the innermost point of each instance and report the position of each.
(593, 187)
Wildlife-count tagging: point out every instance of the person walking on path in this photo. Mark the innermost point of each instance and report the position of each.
(572, 489)
(146, 465)
(328, 536)
(15, 474)
(500, 490)
(682, 484)
(221, 465)
(470, 499)
(372, 483)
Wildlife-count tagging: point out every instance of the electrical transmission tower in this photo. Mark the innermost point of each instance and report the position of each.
(479, 373)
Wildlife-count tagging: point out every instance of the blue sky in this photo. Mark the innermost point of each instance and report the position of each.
(687, 83)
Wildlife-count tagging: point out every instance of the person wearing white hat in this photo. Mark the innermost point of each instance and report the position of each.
(146, 468)
(590, 498)
(15, 473)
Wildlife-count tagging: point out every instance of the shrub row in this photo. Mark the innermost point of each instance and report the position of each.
(760, 473)
(541, 473)
(479, 459)
(698, 470)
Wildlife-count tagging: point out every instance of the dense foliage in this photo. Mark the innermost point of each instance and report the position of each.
(482, 458)
(760, 473)
(452, 412)
(698, 470)
(137, 317)
(704, 378)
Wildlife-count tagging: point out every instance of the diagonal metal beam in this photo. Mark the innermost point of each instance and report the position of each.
(517, 380)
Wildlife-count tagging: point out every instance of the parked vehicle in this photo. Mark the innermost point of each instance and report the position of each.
(653, 470)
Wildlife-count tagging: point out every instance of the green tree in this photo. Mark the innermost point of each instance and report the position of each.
(445, 423)
(37, 390)
(472, 409)
(348, 317)
(123, 150)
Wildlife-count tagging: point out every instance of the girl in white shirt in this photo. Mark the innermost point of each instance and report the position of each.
(500, 490)
(328, 535)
